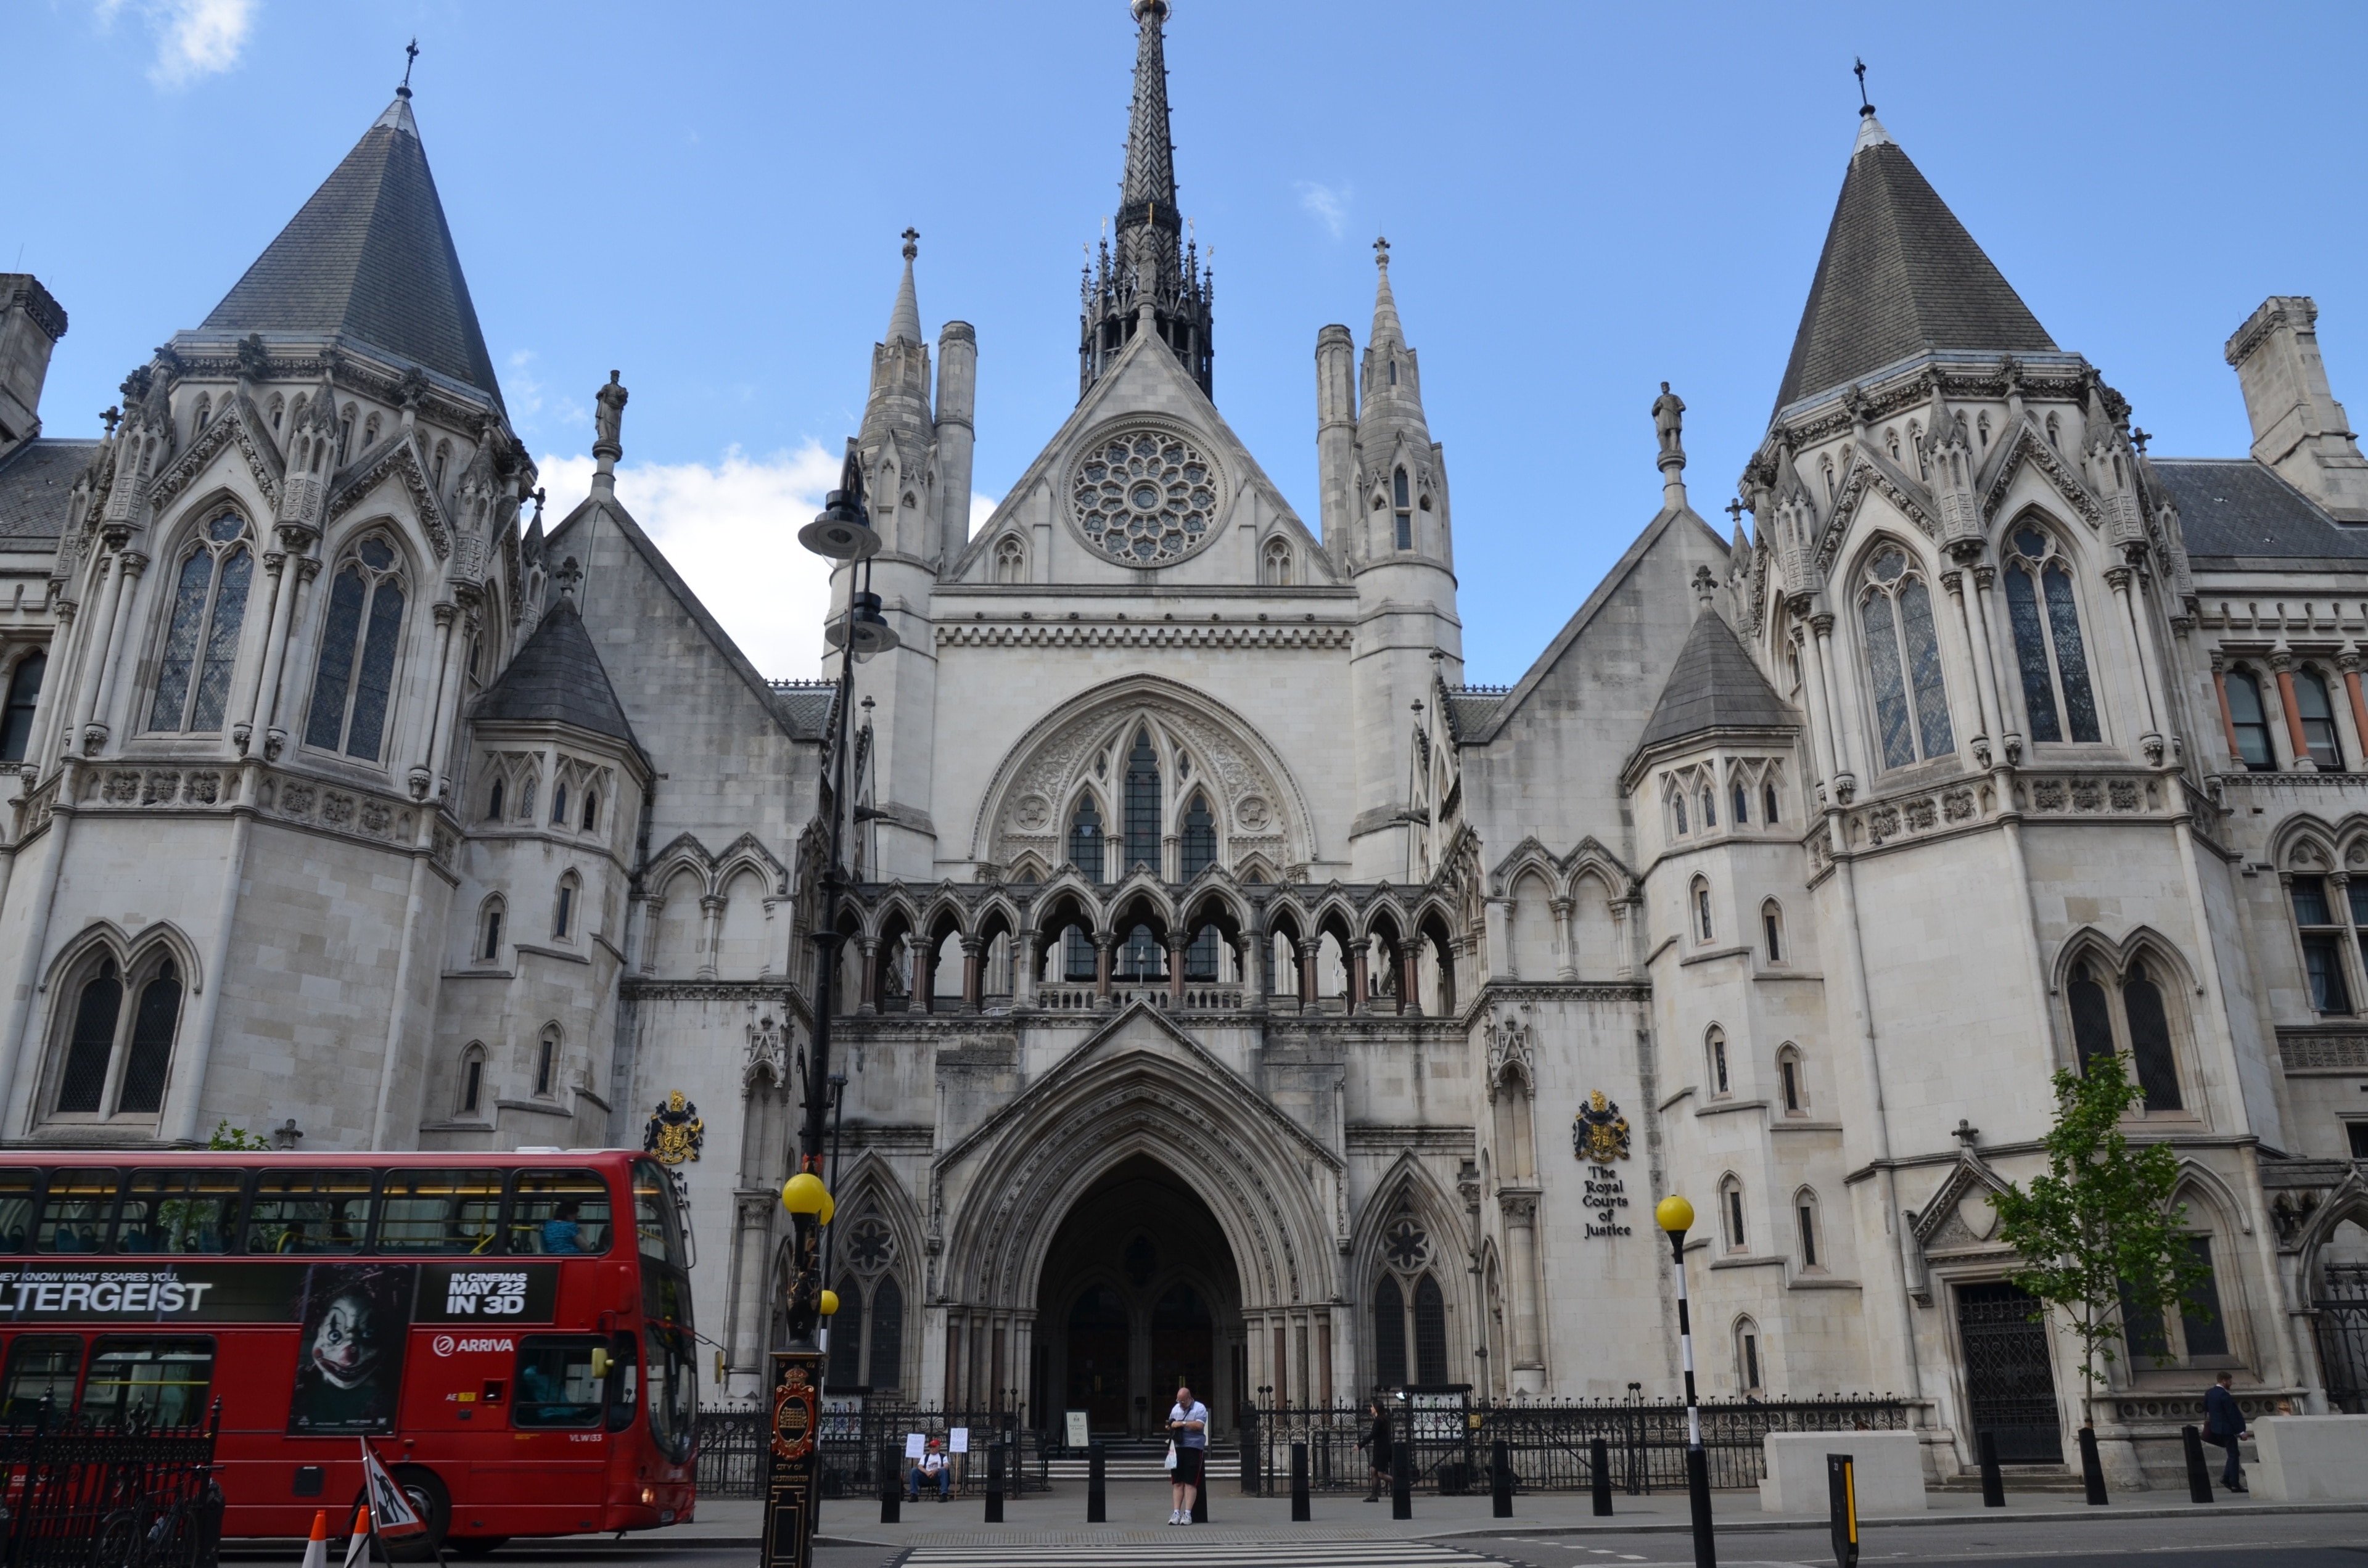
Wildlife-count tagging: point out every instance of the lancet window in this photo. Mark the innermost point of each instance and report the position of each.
(1086, 839)
(2133, 1018)
(202, 641)
(2048, 650)
(1903, 656)
(353, 685)
(119, 1047)
(2316, 717)
(24, 698)
(1142, 806)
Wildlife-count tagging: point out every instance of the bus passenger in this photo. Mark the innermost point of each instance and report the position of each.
(561, 1233)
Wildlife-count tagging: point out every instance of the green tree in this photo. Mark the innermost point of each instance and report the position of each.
(234, 1139)
(2098, 1230)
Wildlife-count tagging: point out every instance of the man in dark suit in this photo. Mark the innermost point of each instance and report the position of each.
(2224, 1424)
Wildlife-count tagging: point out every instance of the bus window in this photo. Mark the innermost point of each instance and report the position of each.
(41, 1366)
(19, 1188)
(76, 1215)
(168, 1377)
(655, 1217)
(308, 1212)
(179, 1211)
(562, 1381)
(560, 1213)
(673, 1383)
(439, 1211)
(624, 1383)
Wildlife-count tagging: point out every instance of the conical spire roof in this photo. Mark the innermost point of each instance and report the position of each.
(558, 678)
(1713, 685)
(905, 321)
(370, 258)
(1149, 182)
(1387, 328)
(1899, 275)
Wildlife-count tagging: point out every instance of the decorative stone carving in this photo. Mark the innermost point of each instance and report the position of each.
(1146, 497)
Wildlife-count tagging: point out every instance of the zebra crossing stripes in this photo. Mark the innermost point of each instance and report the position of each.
(1202, 1553)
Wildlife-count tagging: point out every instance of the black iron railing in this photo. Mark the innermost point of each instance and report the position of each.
(126, 1494)
(857, 1441)
(1551, 1446)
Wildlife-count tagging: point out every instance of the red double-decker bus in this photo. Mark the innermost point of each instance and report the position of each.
(511, 1332)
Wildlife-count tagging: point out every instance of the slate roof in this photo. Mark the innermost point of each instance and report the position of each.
(806, 704)
(2236, 513)
(1714, 685)
(558, 678)
(1468, 711)
(369, 258)
(35, 482)
(1899, 275)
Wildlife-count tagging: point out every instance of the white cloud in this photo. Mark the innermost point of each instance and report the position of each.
(1330, 207)
(194, 38)
(981, 508)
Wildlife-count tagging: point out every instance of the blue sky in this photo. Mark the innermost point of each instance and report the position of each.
(1582, 201)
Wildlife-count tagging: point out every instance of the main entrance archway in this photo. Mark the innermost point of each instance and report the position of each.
(1138, 1293)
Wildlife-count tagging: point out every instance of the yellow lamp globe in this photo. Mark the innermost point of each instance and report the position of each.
(1674, 1214)
(829, 1207)
(830, 1303)
(805, 1194)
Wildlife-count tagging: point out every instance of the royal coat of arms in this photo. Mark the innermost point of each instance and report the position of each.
(675, 1132)
(1599, 1132)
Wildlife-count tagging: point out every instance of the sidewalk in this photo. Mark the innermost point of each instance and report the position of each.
(1138, 1511)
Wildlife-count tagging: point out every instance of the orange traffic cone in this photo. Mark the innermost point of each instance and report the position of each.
(316, 1550)
(358, 1538)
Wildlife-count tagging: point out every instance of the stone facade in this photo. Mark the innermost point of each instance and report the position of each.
(1226, 987)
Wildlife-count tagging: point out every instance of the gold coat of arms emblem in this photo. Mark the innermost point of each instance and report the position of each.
(674, 1132)
(1599, 1132)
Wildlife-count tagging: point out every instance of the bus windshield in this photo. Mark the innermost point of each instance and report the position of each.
(655, 1216)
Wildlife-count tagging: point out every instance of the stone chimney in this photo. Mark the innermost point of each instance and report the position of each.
(2298, 428)
(31, 324)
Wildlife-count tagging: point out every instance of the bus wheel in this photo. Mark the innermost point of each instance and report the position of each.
(474, 1545)
(432, 1502)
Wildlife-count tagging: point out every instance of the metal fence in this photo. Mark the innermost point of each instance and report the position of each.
(1550, 1445)
(83, 1496)
(858, 1437)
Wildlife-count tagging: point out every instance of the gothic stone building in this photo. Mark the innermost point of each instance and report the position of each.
(1227, 988)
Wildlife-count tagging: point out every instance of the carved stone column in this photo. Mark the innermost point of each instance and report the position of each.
(1357, 980)
(1519, 1206)
(974, 962)
(1176, 946)
(1821, 744)
(924, 998)
(1307, 980)
(1567, 968)
(1103, 942)
(869, 949)
(102, 634)
(1985, 699)
(1848, 755)
(1027, 956)
(1410, 977)
(653, 910)
(2282, 661)
(711, 932)
(2121, 580)
(2349, 663)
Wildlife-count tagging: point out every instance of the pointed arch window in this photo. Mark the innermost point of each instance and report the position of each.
(1703, 930)
(1730, 1208)
(1903, 656)
(1086, 839)
(1429, 1332)
(886, 1340)
(1804, 1221)
(1771, 929)
(562, 909)
(1400, 495)
(846, 1330)
(1277, 565)
(1742, 802)
(1768, 817)
(24, 699)
(493, 803)
(115, 1065)
(2249, 720)
(591, 811)
(489, 931)
(1722, 1083)
(1010, 559)
(559, 804)
(2140, 1026)
(201, 640)
(1709, 808)
(1142, 806)
(546, 1062)
(1747, 1355)
(1389, 1333)
(1791, 1080)
(2317, 716)
(472, 1080)
(1200, 846)
(2048, 651)
(2322, 945)
(354, 682)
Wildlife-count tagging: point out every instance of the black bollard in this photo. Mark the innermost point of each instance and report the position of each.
(2092, 1469)
(995, 1483)
(1993, 1482)
(1599, 1465)
(1200, 1493)
(892, 1489)
(1501, 1480)
(1698, 1494)
(1252, 1484)
(1096, 1495)
(1300, 1512)
(2199, 1474)
(1842, 1504)
(1402, 1480)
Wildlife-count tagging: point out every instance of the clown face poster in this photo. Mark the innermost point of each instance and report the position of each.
(349, 1355)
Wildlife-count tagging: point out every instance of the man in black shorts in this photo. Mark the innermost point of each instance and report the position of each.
(1187, 1427)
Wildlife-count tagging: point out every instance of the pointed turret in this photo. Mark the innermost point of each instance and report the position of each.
(905, 321)
(899, 437)
(1394, 441)
(369, 260)
(1899, 275)
(1151, 265)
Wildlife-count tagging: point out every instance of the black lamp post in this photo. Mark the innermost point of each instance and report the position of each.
(1677, 1216)
(840, 533)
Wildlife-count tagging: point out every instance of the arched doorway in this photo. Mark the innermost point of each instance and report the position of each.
(1141, 1289)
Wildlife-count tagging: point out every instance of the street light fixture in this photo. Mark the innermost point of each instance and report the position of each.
(1676, 1216)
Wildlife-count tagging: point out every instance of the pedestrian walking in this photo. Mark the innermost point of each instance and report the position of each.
(2224, 1424)
(1377, 1441)
(930, 1467)
(1187, 1437)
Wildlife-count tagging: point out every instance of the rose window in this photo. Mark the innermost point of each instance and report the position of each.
(1146, 497)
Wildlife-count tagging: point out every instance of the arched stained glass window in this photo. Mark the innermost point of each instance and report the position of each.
(1903, 656)
(1086, 839)
(1200, 847)
(1142, 806)
(846, 1335)
(2093, 1017)
(2048, 652)
(151, 1044)
(354, 682)
(1389, 1333)
(886, 1339)
(202, 641)
(1429, 1332)
(24, 698)
(2150, 1047)
(83, 1081)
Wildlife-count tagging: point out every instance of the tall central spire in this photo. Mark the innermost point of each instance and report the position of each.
(1152, 262)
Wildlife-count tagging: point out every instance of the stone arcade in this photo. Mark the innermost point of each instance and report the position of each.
(1222, 971)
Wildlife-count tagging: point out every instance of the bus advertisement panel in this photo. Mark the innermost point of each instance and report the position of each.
(512, 1332)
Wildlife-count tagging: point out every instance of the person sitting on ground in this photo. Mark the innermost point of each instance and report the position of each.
(930, 1465)
(1188, 1427)
(2223, 1427)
